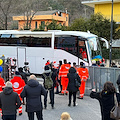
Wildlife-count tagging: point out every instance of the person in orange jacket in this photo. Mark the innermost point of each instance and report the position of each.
(18, 85)
(2, 85)
(63, 75)
(84, 74)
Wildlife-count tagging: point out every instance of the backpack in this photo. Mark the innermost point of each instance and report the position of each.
(48, 81)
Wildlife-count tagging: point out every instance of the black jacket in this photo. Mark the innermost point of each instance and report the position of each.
(33, 91)
(118, 80)
(106, 103)
(72, 75)
(9, 101)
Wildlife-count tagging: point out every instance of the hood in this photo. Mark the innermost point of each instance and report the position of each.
(72, 70)
(7, 90)
(32, 83)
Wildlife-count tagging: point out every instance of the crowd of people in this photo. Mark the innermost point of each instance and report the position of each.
(65, 78)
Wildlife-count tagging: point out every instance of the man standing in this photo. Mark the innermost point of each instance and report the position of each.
(33, 91)
(49, 77)
(9, 102)
(83, 73)
(18, 85)
(63, 75)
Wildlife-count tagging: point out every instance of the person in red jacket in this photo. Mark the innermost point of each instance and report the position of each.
(18, 85)
(84, 74)
(2, 85)
(63, 75)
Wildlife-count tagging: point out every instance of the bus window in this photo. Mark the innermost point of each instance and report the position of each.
(26, 41)
(72, 45)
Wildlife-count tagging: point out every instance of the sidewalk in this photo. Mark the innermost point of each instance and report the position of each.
(87, 109)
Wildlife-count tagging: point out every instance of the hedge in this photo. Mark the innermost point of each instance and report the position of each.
(115, 53)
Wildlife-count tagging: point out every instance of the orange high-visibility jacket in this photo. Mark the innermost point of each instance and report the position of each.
(17, 84)
(64, 70)
(2, 84)
(83, 73)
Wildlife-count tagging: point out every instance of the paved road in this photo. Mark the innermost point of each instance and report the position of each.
(87, 109)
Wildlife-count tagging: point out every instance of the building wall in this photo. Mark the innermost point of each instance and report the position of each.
(64, 20)
(105, 9)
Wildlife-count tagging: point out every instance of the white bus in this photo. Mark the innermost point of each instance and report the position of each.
(38, 47)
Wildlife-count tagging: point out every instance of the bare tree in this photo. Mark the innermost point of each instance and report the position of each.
(29, 9)
(6, 8)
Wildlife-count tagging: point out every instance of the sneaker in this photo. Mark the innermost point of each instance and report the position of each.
(75, 104)
(20, 114)
(80, 97)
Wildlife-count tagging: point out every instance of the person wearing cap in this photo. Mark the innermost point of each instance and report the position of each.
(33, 92)
(65, 116)
(84, 74)
(52, 74)
(9, 102)
(18, 85)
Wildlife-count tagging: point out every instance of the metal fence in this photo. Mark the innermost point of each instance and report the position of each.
(98, 76)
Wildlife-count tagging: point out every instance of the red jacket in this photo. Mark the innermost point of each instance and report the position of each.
(64, 70)
(2, 84)
(17, 84)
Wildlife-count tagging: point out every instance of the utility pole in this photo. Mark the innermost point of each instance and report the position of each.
(111, 36)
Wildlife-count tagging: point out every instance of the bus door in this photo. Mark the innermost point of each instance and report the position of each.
(21, 56)
(81, 50)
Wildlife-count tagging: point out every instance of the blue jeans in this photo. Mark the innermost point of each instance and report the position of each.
(9, 117)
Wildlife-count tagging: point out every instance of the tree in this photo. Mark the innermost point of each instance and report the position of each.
(96, 24)
(6, 9)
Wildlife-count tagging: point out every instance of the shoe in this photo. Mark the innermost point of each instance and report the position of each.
(20, 114)
(80, 97)
(69, 105)
(49, 102)
(52, 106)
(61, 93)
(56, 92)
(75, 104)
(66, 93)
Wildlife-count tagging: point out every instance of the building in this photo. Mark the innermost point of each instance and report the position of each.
(42, 18)
(105, 8)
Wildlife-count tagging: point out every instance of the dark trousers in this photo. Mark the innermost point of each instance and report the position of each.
(70, 96)
(51, 94)
(38, 114)
(9, 117)
(57, 88)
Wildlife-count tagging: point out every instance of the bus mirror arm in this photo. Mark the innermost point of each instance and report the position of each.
(106, 42)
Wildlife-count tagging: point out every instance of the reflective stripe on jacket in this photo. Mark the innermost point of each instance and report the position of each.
(64, 70)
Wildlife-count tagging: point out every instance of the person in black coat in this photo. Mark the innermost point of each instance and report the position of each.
(118, 83)
(9, 102)
(106, 99)
(23, 74)
(49, 70)
(33, 91)
(72, 75)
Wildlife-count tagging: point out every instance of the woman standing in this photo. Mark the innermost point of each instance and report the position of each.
(106, 99)
(72, 76)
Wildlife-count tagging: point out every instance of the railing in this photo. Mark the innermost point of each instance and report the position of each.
(98, 76)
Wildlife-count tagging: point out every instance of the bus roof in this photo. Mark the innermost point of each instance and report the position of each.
(7, 33)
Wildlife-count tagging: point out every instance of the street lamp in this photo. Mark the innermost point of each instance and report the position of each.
(111, 36)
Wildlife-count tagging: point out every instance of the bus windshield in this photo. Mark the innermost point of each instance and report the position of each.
(94, 47)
